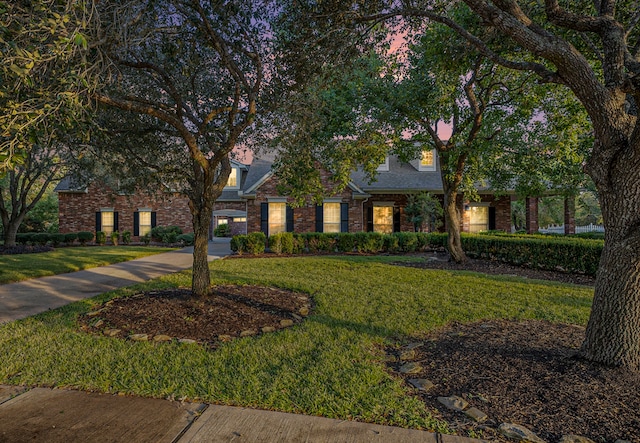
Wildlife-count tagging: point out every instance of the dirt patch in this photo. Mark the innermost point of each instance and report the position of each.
(527, 373)
(227, 312)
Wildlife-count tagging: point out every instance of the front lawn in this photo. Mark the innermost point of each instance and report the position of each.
(330, 365)
(20, 267)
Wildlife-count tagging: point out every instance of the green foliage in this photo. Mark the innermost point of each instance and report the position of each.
(70, 237)
(238, 244)
(185, 239)
(40, 238)
(424, 209)
(223, 230)
(407, 242)
(84, 237)
(320, 242)
(369, 242)
(165, 234)
(57, 239)
(252, 243)
(43, 217)
(126, 237)
(146, 239)
(23, 238)
(345, 242)
(281, 243)
(101, 237)
(115, 236)
(542, 252)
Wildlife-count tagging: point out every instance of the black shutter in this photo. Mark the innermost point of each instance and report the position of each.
(136, 224)
(153, 220)
(98, 221)
(115, 222)
(319, 218)
(492, 218)
(370, 219)
(264, 218)
(396, 219)
(344, 217)
(289, 219)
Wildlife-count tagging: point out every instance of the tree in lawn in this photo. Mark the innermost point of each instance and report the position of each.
(594, 50)
(192, 71)
(424, 209)
(24, 185)
(43, 74)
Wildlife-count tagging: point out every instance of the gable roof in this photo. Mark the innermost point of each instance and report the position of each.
(401, 177)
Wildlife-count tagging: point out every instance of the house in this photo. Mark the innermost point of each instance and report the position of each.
(251, 202)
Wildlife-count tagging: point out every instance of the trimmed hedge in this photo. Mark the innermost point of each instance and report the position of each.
(166, 234)
(567, 254)
(185, 239)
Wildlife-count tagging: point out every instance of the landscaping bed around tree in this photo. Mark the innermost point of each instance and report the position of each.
(508, 340)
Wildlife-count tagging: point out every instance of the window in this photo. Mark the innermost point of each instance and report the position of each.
(239, 219)
(384, 166)
(427, 161)
(107, 222)
(233, 178)
(144, 223)
(383, 219)
(277, 217)
(331, 217)
(478, 218)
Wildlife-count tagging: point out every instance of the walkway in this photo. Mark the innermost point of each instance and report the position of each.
(62, 416)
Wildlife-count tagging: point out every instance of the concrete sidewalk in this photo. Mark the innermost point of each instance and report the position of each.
(62, 416)
(30, 297)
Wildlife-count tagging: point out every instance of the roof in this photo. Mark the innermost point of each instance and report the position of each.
(401, 177)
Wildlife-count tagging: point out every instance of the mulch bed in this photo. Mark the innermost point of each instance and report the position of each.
(228, 312)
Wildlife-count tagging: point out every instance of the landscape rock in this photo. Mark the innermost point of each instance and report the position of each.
(286, 323)
(519, 433)
(407, 355)
(248, 333)
(421, 384)
(575, 439)
(224, 337)
(413, 345)
(454, 402)
(161, 338)
(98, 323)
(95, 313)
(267, 329)
(410, 368)
(304, 311)
(139, 337)
(476, 415)
(111, 332)
(187, 341)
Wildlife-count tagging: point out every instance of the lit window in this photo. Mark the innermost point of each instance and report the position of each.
(233, 178)
(427, 161)
(223, 221)
(478, 218)
(144, 222)
(277, 218)
(383, 219)
(331, 217)
(107, 221)
(239, 219)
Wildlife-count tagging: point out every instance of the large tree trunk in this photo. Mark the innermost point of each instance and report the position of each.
(613, 331)
(201, 280)
(10, 229)
(452, 224)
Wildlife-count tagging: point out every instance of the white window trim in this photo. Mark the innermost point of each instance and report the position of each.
(423, 168)
(237, 186)
(384, 167)
(325, 222)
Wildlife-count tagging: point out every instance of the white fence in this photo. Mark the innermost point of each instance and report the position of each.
(579, 229)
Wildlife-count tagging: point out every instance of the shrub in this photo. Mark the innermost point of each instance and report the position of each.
(222, 230)
(146, 239)
(299, 244)
(185, 239)
(281, 243)
(126, 237)
(320, 242)
(115, 235)
(238, 244)
(407, 241)
(40, 238)
(390, 243)
(101, 237)
(70, 237)
(369, 242)
(84, 237)
(165, 234)
(345, 242)
(24, 238)
(57, 239)
(256, 243)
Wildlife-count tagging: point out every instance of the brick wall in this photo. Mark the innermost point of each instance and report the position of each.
(77, 210)
(502, 207)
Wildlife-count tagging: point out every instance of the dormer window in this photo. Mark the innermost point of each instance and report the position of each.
(384, 167)
(428, 160)
(233, 179)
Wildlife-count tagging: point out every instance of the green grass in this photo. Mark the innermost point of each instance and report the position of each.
(20, 267)
(330, 365)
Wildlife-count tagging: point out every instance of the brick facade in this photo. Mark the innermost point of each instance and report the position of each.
(531, 210)
(501, 220)
(77, 210)
(570, 215)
